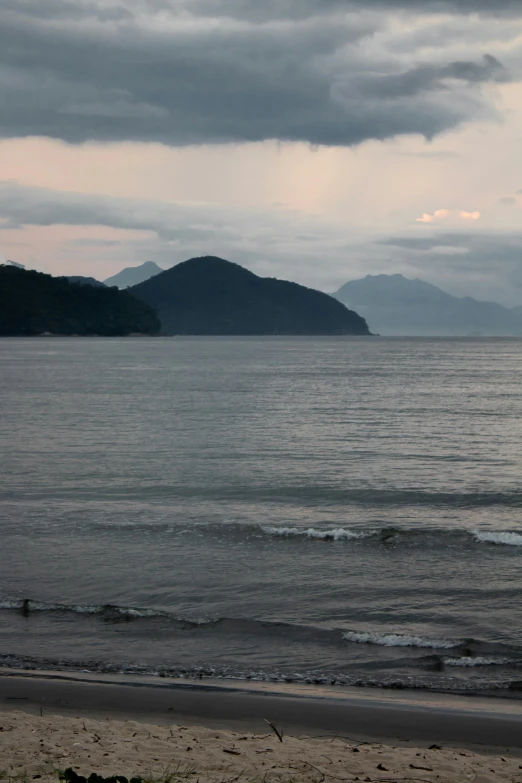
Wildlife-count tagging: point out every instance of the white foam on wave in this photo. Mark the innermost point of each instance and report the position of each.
(6, 604)
(502, 537)
(478, 661)
(335, 534)
(399, 640)
(39, 606)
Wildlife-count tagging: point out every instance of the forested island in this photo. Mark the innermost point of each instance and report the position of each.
(211, 296)
(33, 303)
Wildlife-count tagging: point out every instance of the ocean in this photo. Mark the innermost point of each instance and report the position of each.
(343, 511)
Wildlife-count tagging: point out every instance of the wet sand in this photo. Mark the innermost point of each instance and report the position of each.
(362, 714)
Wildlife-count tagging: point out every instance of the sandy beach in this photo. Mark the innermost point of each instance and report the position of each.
(37, 746)
(213, 733)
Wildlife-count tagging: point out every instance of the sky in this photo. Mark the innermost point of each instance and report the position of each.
(312, 140)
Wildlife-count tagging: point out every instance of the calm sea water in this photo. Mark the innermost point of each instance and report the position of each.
(345, 511)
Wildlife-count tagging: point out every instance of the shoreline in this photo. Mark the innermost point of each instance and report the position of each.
(398, 717)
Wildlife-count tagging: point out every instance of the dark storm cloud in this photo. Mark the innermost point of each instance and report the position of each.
(298, 9)
(148, 70)
(424, 78)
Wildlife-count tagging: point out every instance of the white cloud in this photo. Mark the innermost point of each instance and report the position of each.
(444, 214)
(439, 214)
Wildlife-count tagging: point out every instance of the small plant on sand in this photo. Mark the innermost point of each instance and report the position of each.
(18, 777)
(70, 776)
(182, 772)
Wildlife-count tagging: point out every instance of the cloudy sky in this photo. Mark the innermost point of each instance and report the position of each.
(314, 140)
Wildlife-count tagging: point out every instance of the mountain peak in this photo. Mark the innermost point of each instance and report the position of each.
(374, 288)
(209, 268)
(132, 275)
(397, 305)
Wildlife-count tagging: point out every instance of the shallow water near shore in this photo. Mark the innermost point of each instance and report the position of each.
(327, 511)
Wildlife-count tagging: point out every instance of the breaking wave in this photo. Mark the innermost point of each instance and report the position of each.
(501, 537)
(400, 640)
(384, 535)
(468, 661)
(335, 534)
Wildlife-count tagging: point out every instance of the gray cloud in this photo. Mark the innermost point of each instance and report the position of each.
(26, 206)
(125, 10)
(507, 201)
(171, 224)
(299, 9)
(209, 71)
(273, 242)
(92, 242)
(291, 8)
(490, 267)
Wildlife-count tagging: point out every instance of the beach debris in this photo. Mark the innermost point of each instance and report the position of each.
(381, 766)
(279, 734)
(232, 751)
(414, 766)
(435, 747)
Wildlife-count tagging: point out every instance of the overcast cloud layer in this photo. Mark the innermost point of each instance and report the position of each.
(213, 71)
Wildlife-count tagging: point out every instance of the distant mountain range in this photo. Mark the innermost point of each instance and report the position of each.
(132, 275)
(396, 305)
(211, 296)
(32, 303)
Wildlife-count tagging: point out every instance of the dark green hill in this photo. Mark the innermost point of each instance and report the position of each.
(211, 296)
(33, 303)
